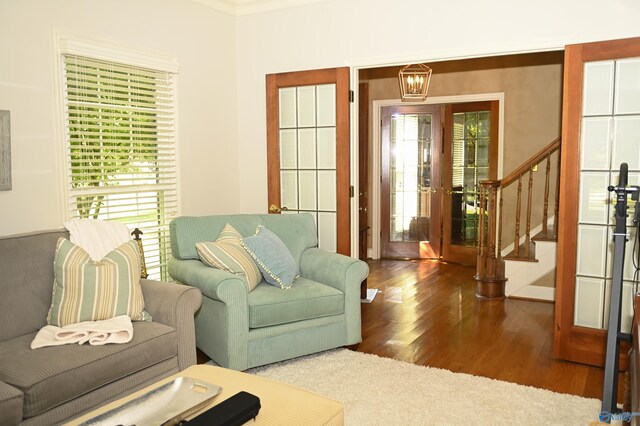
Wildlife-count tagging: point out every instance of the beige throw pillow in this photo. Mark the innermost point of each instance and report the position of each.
(227, 253)
(86, 290)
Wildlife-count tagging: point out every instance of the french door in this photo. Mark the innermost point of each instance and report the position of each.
(430, 188)
(600, 130)
(308, 150)
(470, 156)
(410, 207)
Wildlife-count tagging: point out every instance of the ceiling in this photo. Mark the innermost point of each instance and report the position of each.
(248, 7)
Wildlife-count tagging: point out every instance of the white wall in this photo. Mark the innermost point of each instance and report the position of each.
(222, 138)
(374, 32)
(201, 39)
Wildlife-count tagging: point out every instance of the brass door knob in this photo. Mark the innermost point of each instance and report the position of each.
(275, 209)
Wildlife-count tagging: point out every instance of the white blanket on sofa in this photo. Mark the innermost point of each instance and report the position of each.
(114, 330)
(97, 237)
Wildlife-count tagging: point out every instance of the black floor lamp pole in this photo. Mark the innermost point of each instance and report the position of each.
(614, 336)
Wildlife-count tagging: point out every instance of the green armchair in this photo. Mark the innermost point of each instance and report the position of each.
(240, 329)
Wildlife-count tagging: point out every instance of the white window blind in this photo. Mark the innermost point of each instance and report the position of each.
(121, 162)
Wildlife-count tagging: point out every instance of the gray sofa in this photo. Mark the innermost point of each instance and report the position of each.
(54, 384)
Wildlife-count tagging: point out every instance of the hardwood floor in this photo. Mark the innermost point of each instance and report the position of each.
(427, 314)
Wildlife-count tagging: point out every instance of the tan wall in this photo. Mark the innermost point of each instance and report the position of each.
(532, 87)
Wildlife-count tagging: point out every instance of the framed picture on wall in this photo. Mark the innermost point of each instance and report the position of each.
(5, 151)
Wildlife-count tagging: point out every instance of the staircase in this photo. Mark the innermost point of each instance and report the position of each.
(527, 271)
(533, 277)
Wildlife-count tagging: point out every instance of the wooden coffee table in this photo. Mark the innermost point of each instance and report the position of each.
(281, 404)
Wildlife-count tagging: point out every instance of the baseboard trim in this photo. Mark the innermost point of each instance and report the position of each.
(537, 293)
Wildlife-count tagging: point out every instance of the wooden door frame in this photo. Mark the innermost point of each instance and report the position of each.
(339, 76)
(575, 343)
(376, 149)
(363, 169)
(430, 251)
(452, 253)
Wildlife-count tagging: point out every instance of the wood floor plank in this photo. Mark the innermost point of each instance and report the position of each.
(427, 313)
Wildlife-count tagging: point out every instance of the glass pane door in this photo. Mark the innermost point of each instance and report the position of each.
(410, 208)
(610, 129)
(470, 156)
(410, 177)
(307, 126)
(308, 151)
(470, 165)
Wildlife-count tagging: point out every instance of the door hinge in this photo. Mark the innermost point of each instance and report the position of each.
(351, 96)
(351, 191)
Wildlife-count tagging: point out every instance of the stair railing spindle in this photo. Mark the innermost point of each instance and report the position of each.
(493, 196)
(555, 217)
(516, 239)
(527, 240)
(500, 225)
(545, 212)
(483, 203)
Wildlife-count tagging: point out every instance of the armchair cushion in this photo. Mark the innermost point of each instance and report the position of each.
(227, 253)
(86, 290)
(274, 259)
(305, 300)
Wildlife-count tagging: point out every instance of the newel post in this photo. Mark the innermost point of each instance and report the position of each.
(490, 266)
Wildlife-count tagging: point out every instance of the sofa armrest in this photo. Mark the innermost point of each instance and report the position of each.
(174, 305)
(334, 269)
(213, 283)
(223, 322)
(11, 400)
(341, 272)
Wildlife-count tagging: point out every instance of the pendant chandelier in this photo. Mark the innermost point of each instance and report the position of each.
(414, 82)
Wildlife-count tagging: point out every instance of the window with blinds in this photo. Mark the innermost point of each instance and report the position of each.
(120, 155)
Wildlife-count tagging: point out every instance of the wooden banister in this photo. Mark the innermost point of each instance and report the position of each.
(490, 263)
(537, 158)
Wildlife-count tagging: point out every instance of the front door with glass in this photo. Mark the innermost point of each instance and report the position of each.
(410, 207)
(470, 156)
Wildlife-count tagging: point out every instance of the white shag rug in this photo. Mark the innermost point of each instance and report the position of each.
(382, 391)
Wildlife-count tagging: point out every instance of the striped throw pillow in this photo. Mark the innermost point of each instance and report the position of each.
(86, 290)
(227, 253)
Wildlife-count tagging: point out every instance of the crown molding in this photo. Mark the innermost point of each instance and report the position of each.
(249, 7)
(226, 6)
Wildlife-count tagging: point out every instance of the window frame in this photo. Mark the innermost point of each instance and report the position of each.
(104, 51)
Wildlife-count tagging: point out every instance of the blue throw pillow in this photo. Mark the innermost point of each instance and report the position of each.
(277, 265)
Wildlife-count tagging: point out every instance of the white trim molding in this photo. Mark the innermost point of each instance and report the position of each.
(107, 51)
(377, 147)
(354, 148)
